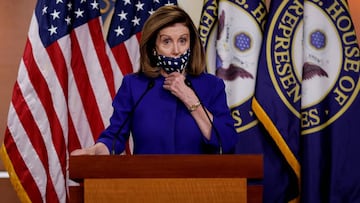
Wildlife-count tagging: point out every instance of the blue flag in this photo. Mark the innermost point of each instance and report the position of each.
(330, 105)
(232, 34)
(277, 101)
(238, 43)
(307, 97)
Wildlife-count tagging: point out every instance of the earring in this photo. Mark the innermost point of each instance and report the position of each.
(154, 52)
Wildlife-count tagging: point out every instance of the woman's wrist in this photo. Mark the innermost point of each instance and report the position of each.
(193, 107)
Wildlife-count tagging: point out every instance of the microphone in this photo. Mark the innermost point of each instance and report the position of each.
(149, 86)
(189, 84)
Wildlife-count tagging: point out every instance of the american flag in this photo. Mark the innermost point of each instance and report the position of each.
(61, 100)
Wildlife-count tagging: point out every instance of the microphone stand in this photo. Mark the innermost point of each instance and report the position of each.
(149, 86)
(189, 84)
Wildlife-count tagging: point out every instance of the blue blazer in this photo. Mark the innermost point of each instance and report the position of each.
(162, 124)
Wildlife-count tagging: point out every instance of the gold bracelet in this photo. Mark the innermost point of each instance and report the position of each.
(194, 106)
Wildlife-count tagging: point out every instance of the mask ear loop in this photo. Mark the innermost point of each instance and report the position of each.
(187, 68)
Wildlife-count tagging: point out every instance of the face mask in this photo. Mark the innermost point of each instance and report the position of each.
(170, 64)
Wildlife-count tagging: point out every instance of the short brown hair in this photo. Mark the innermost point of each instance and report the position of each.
(163, 17)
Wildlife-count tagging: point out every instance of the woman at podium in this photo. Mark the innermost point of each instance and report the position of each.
(171, 105)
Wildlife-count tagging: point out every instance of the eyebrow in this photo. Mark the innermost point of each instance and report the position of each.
(165, 35)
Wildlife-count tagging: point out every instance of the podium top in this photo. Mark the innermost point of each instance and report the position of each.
(166, 166)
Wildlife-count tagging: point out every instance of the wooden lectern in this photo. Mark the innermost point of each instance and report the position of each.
(166, 178)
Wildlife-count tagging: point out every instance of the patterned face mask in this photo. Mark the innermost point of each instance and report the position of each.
(170, 64)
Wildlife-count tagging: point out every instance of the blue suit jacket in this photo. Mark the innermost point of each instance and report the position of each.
(162, 124)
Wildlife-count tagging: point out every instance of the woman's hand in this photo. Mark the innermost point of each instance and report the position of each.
(97, 149)
(175, 83)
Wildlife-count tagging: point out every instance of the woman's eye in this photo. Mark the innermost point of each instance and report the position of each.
(166, 41)
(183, 41)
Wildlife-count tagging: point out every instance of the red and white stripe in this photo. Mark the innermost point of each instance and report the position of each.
(61, 101)
(127, 54)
